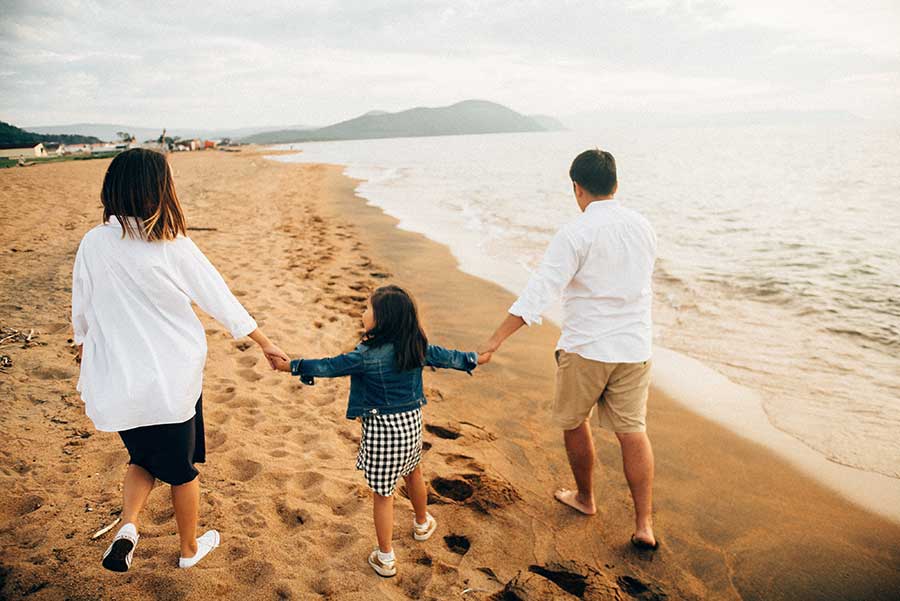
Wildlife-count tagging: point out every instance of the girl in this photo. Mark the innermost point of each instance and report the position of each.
(143, 348)
(386, 393)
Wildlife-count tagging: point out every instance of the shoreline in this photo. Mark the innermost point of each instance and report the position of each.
(743, 414)
(302, 251)
(737, 479)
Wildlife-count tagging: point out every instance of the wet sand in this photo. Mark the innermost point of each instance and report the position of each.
(302, 253)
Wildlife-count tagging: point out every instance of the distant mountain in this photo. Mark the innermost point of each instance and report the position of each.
(467, 117)
(109, 131)
(10, 134)
(549, 123)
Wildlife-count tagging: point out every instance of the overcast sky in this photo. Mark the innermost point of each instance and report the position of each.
(232, 64)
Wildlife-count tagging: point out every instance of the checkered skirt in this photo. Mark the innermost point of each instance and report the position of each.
(390, 448)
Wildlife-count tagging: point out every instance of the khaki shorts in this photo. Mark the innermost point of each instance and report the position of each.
(619, 390)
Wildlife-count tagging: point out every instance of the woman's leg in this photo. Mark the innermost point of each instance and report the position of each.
(186, 501)
(383, 512)
(135, 490)
(418, 494)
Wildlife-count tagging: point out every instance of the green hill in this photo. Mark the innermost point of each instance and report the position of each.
(10, 134)
(467, 117)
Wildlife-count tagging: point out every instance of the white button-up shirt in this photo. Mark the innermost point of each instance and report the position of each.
(602, 264)
(144, 347)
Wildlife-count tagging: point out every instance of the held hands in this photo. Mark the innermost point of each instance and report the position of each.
(486, 351)
(281, 364)
(276, 357)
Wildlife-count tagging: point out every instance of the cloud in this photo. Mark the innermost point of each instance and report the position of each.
(217, 64)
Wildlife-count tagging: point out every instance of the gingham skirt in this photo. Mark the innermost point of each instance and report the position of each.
(390, 448)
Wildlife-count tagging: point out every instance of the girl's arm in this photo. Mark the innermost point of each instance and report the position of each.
(332, 367)
(438, 356)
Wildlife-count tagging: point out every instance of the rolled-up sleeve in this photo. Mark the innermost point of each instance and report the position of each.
(558, 267)
(80, 298)
(206, 287)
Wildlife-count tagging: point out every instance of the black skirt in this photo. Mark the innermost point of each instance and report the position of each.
(169, 451)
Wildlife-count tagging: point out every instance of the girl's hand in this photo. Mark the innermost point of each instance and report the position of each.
(484, 358)
(280, 364)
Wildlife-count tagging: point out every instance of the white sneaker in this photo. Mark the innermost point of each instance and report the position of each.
(206, 543)
(424, 531)
(118, 555)
(385, 569)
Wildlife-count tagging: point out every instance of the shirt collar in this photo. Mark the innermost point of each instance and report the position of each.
(598, 205)
(114, 221)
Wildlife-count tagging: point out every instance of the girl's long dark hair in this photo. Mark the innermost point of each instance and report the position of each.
(397, 323)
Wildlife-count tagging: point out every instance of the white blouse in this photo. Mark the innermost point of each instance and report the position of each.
(602, 265)
(144, 347)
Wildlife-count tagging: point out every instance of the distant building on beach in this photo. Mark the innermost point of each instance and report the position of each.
(22, 151)
(65, 149)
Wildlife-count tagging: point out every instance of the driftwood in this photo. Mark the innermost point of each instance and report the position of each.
(13, 336)
(105, 529)
(203, 229)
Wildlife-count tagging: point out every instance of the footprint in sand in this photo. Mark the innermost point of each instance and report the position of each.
(480, 491)
(253, 571)
(248, 360)
(245, 469)
(291, 516)
(457, 543)
(447, 432)
(215, 439)
(249, 375)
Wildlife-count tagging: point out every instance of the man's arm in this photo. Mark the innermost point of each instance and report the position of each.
(507, 328)
(556, 270)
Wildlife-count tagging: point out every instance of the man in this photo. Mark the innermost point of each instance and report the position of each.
(602, 264)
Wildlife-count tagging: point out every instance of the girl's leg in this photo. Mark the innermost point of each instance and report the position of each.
(186, 501)
(135, 490)
(418, 494)
(383, 512)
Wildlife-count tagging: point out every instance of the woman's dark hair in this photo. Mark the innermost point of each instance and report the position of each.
(595, 171)
(397, 322)
(139, 184)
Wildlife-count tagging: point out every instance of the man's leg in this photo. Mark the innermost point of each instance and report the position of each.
(637, 461)
(580, 450)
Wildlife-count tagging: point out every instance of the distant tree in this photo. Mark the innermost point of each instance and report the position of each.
(10, 134)
(125, 136)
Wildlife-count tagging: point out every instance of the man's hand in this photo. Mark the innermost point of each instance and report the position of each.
(484, 358)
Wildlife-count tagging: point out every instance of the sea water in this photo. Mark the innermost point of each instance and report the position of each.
(779, 250)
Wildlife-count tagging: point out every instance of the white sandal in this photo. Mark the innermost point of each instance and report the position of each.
(424, 531)
(206, 543)
(119, 554)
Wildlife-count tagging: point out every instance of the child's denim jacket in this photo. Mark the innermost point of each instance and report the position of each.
(376, 386)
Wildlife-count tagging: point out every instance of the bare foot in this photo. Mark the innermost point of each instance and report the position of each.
(644, 539)
(570, 498)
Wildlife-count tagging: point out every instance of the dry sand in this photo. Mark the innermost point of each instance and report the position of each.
(302, 252)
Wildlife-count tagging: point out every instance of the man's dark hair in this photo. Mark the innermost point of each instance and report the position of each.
(595, 171)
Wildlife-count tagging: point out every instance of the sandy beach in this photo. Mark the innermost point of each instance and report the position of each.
(302, 252)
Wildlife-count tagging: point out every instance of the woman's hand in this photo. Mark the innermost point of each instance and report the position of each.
(280, 364)
(276, 357)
